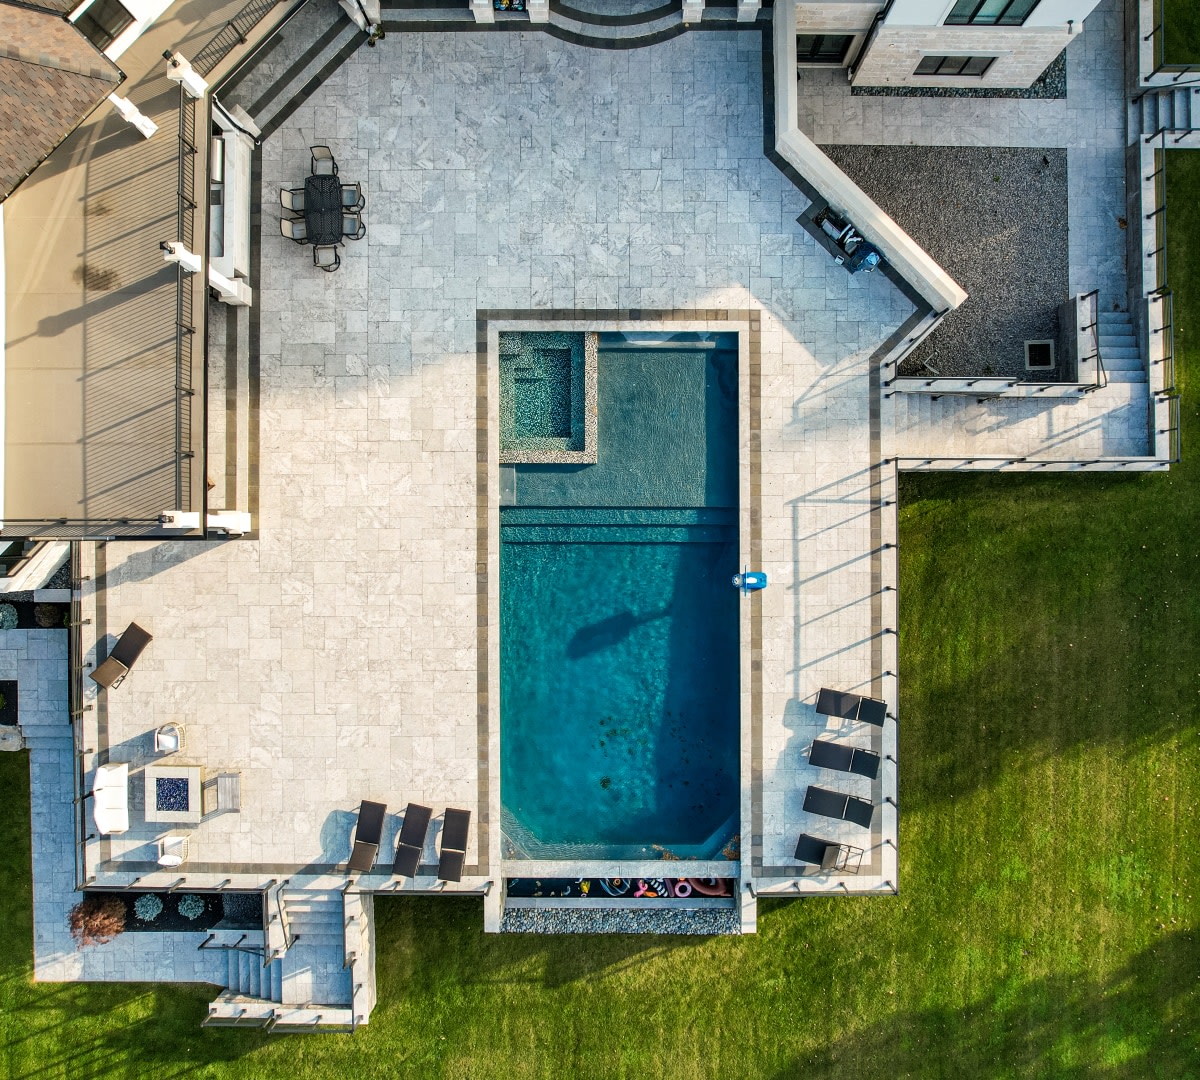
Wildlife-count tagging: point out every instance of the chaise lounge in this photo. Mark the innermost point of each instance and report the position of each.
(454, 845)
(367, 834)
(111, 673)
(851, 759)
(834, 804)
(412, 840)
(849, 706)
(827, 855)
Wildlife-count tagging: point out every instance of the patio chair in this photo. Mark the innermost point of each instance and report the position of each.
(851, 706)
(844, 858)
(454, 845)
(221, 794)
(367, 834)
(168, 739)
(353, 227)
(111, 673)
(294, 229)
(322, 161)
(110, 799)
(851, 759)
(836, 804)
(292, 199)
(411, 844)
(353, 198)
(327, 258)
(172, 849)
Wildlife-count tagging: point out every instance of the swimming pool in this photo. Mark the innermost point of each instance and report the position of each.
(619, 659)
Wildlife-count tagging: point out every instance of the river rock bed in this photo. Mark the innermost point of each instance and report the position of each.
(620, 921)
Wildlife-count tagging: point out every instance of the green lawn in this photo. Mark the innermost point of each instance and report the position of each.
(1182, 35)
(1046, 926)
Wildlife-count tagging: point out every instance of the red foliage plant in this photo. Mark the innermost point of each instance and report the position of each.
(96, 920)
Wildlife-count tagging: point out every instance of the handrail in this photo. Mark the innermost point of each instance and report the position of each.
(1158, 36)
(252, 53)
(184, 328)
(75, 712)
(231, 34)
(1167, 327)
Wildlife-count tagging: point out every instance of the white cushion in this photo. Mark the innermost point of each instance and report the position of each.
(110, 798)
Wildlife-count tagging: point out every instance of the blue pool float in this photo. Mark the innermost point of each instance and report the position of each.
(750, 581)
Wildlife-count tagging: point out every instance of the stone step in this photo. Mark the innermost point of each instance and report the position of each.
(1122, 376)
(606, 31)
(304, 52)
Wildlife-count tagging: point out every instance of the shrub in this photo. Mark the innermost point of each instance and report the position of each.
(47, 616)
(191, 906)
(96, 920)
(8, 617)
(147, 907)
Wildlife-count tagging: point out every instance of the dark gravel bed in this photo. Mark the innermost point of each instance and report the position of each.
(1051, 83)
(620, 921)
(995, 219)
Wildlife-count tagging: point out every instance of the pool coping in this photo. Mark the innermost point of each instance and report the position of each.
(746, 323)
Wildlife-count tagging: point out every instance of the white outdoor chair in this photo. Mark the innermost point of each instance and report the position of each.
(292, 199)
(168, 739)
(322, 161)
(327, 258)
(110, 799)
(172, 849)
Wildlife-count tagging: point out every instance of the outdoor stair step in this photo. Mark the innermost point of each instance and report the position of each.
(1120, 360)
(583, 28)
(1119, 375)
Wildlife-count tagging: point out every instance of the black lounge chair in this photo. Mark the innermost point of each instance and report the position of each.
(851, 706)
(828, 855)
(454, 845)
(125, 652)
(833, 804)
(412, 840)
(851, 759)
(367, 834)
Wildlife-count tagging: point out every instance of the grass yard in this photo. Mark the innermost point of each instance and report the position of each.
(1050, 851)
(1182, 34)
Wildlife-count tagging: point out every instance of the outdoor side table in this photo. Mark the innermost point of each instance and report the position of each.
(173, 793)
(323, 209)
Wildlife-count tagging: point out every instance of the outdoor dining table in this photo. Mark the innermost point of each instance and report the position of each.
(323, 209)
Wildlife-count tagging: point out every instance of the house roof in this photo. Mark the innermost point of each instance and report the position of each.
(51, 77)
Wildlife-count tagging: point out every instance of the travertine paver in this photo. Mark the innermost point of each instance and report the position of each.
(334, 658)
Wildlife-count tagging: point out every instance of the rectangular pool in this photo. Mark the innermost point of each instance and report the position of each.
(619, 625)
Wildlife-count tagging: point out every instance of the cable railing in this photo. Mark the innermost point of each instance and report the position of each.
(185, 329)
(231, 34)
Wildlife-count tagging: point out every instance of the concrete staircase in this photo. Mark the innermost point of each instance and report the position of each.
(583, 27)
(1119, 350)
(1175, 110)
(314, 970)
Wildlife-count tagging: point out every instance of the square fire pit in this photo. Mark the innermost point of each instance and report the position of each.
(173, 793)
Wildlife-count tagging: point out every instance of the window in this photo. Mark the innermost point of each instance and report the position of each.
(990, 12)
(963, 66)
(822, 48)
(103, 22)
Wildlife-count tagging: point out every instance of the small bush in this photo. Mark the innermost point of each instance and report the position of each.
(48, 616)
(96, 920)
(147, 907)
(8, 617)
(191, 906)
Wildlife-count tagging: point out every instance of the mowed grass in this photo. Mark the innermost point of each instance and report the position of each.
(1182, 32)
(1050, 789)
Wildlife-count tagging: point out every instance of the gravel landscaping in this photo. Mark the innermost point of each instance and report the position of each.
(1051, 83)
(620, 921)
(995, 218)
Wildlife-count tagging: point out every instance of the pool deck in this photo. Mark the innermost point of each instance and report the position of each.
(339, 656)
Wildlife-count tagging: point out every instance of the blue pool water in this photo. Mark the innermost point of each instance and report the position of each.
(619, 683)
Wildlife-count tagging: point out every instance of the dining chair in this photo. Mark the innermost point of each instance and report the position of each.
(294, 229)
(353, 227)
(327, 258)
(352, 197)
(292, 199)
(322, 161)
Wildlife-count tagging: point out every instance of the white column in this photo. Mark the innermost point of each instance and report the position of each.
(180, 71)
(693, 11)
(232, 291)
(175, 252)
(748, 10)
(356, 15)
(539, 10)
(133, 115)
(483, 11)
